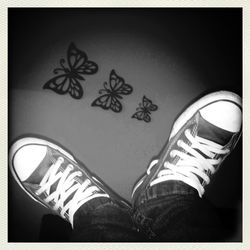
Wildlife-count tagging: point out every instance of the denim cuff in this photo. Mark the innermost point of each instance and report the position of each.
(164, 189)
(150, 203)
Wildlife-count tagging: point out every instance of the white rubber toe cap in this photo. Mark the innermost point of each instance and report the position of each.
(26, 159)
(223, 114)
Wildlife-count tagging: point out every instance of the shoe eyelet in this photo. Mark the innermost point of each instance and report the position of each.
(219, 160)
(165, 165)
(60, 159)
(187, 132)
(179, 142)
(70, 166)
(172, 154)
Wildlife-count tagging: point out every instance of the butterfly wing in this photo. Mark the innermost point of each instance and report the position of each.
(146, 117)
(148, 104)
(75, 88)
(116, 106)
(138, 115)
(79, 63)
(64, 83)
(141, 115)
(108, 102)
(118, 85)
(60, 84)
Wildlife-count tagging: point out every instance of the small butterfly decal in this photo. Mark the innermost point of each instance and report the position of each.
(144, 110)
(68, 80)
(112, 92)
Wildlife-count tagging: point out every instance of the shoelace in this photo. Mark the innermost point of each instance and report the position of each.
(192, 164)
(67, 185)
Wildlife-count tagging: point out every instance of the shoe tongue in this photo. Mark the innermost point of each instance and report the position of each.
(36, 177)
(40, 171)
(213, 133)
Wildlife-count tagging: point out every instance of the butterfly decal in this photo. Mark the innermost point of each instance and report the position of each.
(144, 110)
(68, 81)
(112, 92)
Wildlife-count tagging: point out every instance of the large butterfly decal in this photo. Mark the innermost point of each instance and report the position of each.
(112, 92)
(68, 81)
(144, 110)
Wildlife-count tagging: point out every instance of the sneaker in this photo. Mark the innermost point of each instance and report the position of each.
(200, 140)
(54, 178)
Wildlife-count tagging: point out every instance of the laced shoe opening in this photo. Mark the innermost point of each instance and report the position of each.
(196, 162)
(70, 191)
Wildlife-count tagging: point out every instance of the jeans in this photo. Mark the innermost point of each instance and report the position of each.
(167, 212)
(173, 212)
